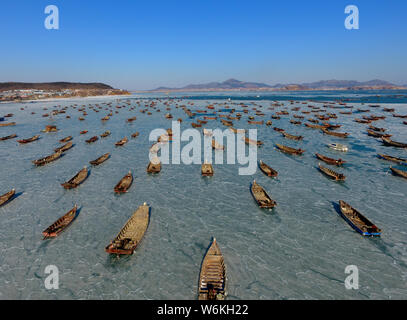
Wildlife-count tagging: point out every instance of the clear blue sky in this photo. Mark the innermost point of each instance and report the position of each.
(135, 44)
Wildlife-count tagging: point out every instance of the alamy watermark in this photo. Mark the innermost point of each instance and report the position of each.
(352, 281)
(52, 20)
(191, 153)
(51, 281)
(352, 20)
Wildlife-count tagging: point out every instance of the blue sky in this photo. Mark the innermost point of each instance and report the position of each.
(135, 44)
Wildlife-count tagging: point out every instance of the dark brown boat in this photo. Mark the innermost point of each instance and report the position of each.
(331, 161)
(8, 137)
(7, 197)
(132, 232)
(77, 179)
(393, 159)
(289, 149)
(358, 221)
(135, 135)
(61, 224)
(212, 278)
(48, 159)
(32, 139)
(331, 174)
(278, 129)
(100, 160)
(377, 134)
(207, 169)
(124, 184)
(7, 124)
(392, 143)
(314, 126)
(253, 142)
(84, 132)
(399, 172)
(196, 125)
(66, 139)
(93, 139)
(65, 147)
(335, 134)
(296, 122)
(105, 134)
(154, 166)
(122, 141)
(262, 198)
(290, 136)
(267, 170)
(255, 122)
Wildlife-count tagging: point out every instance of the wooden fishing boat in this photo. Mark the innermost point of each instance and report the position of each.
(135, 135)
(100, 160)
(48, 159)
(61, 224)
(154, 166)
(216, 145)
(392, 143)
(122, 141)
(314, 126)
(168, 116)
(393, 159)
(32, 139)
(234, 130)
(50, 129)
(93, 139)
(336, 162)
(196, 125)
(207, 169)
(255, 122)
(7, 197)
(84, 132)
(335, 134)
(377, 134)
(105, 118)
(290, 136)
(331, 174)
(210, 118)
(269, 123)
(278, 129)
(399, 172)
(124, 184)
(358, 221)
(260, 195)
(267, 170)
(65, 147)
(275, 117)
(201, 121)
(289, 149)
(132, 232)
(105, 134)
(388, 109)
(296, 122)
(253, 142)
(212, 278)
(80, 177)
(400, 116)
(377, 129)
(362, 120)
(66, 139)
(7, 124)
(8, 137)
(338, 147)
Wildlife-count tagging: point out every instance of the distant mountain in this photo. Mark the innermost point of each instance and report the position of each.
(5, 86)
(233, 84)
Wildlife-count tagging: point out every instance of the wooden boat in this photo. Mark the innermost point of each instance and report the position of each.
(377, 134)
(196, 125)
(105, 118)
(255, 122)
(66, 139)
(314, 126)
(132, 232)
(93, 139)
(296, 122)
(32, 139)
(105, 134)
(50, 129)
(8, 137)
(65, 147)
(216, 145)
(207, 169)
(335, 134)
(405, 122)
(331, 161)
(357, 221)
(392, 143)
(289, 150)
(400, 116)
(7, 197)
(168, 116)
(253, 142)
(399, 172)
(210, 118)
(269, 123)
(61, 224)
(122, 141)
(135, 135)
(154, 166)
(275, 117)
(362, 120)
(124, 184)
(278, 129)
(77, 179)
(84, 132)
(212, 278)
(201, 121)
(393, 159)
(388, 109)
(260, 195)
(290, 136)
(7, 124)
(48, 159)
(267, 170)
(331, 174)
(100, 160)
(338, 147)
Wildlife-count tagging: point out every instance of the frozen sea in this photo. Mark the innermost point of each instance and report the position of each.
(297, 251)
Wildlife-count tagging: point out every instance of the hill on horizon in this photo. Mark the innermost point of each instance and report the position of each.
(5, 86)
